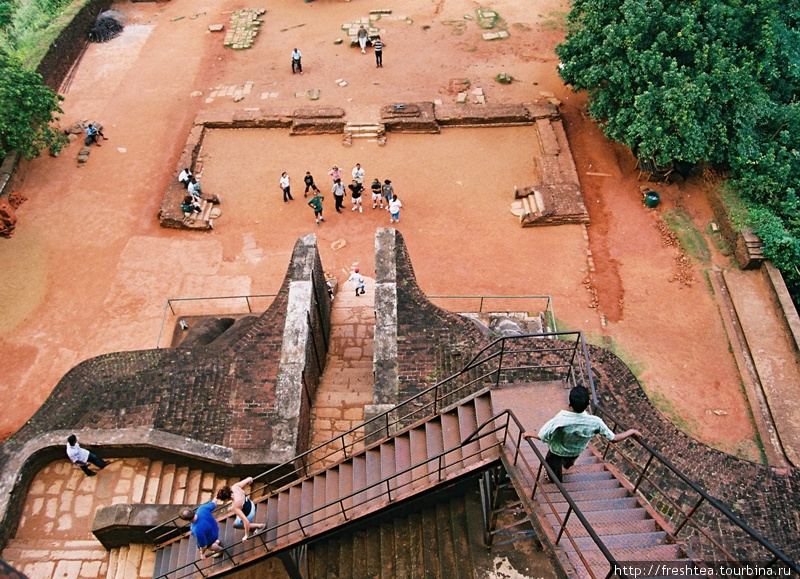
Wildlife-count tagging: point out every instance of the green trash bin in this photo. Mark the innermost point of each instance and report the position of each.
(652, 199)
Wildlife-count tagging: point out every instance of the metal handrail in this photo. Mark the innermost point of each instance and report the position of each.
(168, 306)
(777, 553)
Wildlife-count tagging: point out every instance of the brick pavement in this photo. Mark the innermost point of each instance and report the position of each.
(347, 382)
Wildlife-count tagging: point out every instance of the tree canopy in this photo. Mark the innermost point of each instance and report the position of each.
(27, 109)
(713, 81)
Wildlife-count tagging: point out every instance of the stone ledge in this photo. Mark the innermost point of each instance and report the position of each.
(784, 302)
(121, 525)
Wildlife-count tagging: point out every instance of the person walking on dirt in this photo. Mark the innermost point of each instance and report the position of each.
(356, 189)
(362, 39)
(568, 433)
(287, 191)
(377, 197)
(378, 46)
(296, 64)
(316, 204)
(388, 192)
(310, 185)
(242, 505)
(338, 194)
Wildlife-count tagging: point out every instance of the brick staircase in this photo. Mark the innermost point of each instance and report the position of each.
(354, 130)
(68, 548)
(418, 458)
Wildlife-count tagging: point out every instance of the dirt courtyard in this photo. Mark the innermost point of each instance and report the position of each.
(88, 270)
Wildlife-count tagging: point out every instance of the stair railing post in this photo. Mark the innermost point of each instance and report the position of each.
(644, 470)
(689, 515)
(564, 524)
(536, 480)
(249, 309)
(500, 361)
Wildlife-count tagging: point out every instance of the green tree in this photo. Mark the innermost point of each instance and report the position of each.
(28, 110)
(702, 80)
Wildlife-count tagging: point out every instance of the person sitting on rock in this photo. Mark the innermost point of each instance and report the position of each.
(93, 134)
(190, 206)
(194, 187)
(185, 176)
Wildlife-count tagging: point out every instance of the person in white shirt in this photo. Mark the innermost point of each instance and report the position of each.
(184, 177)
(338, 194)
(81, 457)
(287, 195)
(296, 65)
(358, 174)
(394, 210)
(358, 282)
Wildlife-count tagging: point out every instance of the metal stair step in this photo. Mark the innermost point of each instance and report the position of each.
(590, 495)
(451, 436)
(624, 541)
(575, 476)
(577, 529)
(571, 487)
(467, 423)
(601, 505)
(606, 517)
(402, 457)
(435, 447)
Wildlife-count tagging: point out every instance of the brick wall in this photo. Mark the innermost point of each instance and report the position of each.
(224, 397)
(432, 343)
(766, 498)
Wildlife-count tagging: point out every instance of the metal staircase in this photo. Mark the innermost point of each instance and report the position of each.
(599, 519)
(414, 460)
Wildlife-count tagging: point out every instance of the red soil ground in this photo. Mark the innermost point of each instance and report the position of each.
(89, 269)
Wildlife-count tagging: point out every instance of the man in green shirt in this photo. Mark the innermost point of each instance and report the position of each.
(316, 204)
(568, 433)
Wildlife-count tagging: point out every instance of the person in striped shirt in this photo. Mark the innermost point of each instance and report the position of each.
(377, 44)
(568, 433)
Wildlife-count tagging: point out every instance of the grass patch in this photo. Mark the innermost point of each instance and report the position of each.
(555, 20)
(691, 240)
(607, 342)
(672, 413)
(34, 40)
(521, 26)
